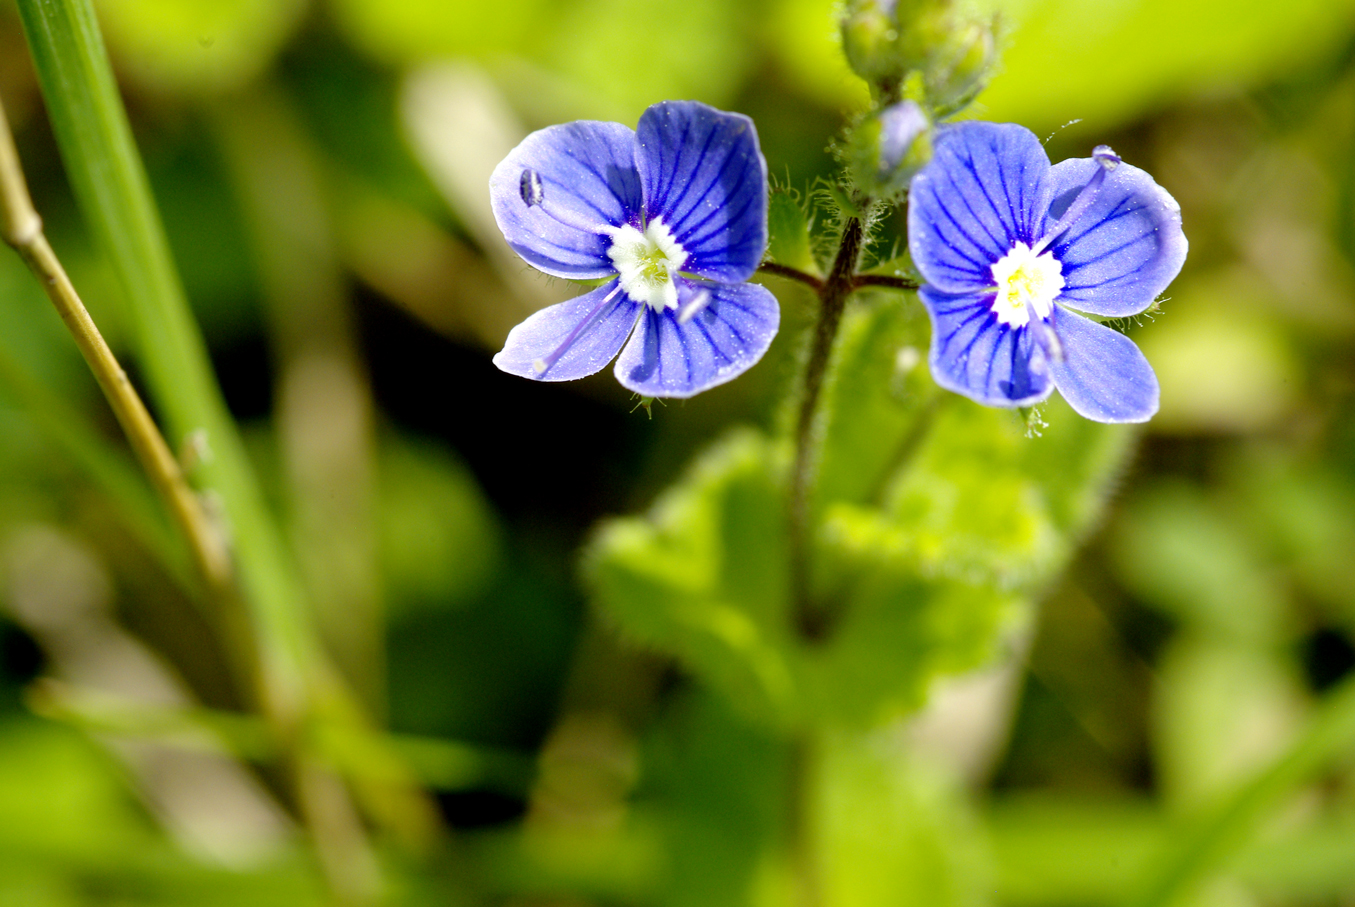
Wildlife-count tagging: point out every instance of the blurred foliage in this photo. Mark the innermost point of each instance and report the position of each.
(1171, 612)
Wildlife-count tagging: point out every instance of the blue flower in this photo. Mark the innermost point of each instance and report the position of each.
(1009, 247)
(673, 216)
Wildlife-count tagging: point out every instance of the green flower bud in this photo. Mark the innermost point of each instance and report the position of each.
(887, 148)
(960, 64)
(870, 35)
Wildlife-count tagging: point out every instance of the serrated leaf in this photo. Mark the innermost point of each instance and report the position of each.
(788, 241)
(932, 531)
(704, 577)
(874, 395)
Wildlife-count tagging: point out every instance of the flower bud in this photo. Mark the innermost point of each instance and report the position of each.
(887, 148)
(960, 64)
(870, 34)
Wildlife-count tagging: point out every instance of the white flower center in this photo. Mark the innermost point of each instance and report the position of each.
(646, 263)
(1026, 281)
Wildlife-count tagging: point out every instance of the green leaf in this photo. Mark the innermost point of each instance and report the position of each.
(198, 45)
(705, 576)
(419, 30)
(1109, 63)
(441, 543)
(892, 830)
(789, 242)
(875, 396)
(1183, 554)
(973, 517)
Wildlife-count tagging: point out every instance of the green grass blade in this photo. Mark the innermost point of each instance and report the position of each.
(111, 187)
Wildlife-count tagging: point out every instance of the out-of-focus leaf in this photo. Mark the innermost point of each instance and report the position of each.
(717, 786)
(1224, 711)
(893, 831)
(1107, 62)
(1224, 365)
(876, 397)
(981, 500)
(898, 629)
(420, 30)
(197, 46)
(788, 227)
(613, 52)
(935, 520)
(440, 541)
(705, 577)
(805, 33)
(1185, 556)
(71, 834)
(60, 797)
(1303, 513)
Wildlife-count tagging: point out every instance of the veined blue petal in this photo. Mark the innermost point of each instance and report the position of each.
(570, 339)
(1103, 376)
(973, 201)
(1124, 250)
(561, 189)
(718, 340)
(704, 175)
(974, 354)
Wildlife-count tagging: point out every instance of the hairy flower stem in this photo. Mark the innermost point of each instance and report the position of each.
(771, 267)
(812, 618)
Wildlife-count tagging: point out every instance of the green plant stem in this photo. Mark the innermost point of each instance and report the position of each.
(884, 280)
(811, 618)
(771, 267)
(444, 764)
(1216, 837)
(802, 800)
(21, 228)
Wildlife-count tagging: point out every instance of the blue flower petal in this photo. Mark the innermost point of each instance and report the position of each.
(974, 200)
(974, 354)
(558, 187)
(580, 336)
(1125, 249)
(704, 175)
(668, 357)
(1103, 376)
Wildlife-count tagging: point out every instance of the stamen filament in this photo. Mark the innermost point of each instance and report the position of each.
(1108, 160)
(540, 365)
(1047, 339)
(534, 195)
(694, 307)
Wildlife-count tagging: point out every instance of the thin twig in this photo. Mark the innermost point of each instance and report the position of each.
(771, 267)
(811, 619)
(883, 280)
(21, 227)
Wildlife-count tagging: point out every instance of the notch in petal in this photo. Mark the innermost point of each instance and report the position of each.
(1125, 248)
(722, 338)
(558, 194)
(704, 175)
(1103, 375)
(973, 201)
(974, 354)
(570, 339)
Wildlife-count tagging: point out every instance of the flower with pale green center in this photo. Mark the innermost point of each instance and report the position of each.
(647, 262)
(673, 218)
(1010, 248)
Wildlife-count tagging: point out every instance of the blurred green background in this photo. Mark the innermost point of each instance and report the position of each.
(321, 169)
